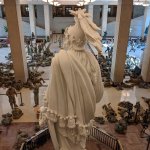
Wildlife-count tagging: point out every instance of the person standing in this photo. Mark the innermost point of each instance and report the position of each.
(11, 92)
(36, 94)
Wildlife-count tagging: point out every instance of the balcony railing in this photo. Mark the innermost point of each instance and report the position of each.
(106, 138)
(42, 136)
(37, 140)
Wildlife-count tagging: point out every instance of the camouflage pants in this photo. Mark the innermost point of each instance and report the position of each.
(12, 102)
(36, 99)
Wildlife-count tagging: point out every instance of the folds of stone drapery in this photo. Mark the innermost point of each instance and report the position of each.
(71, 98)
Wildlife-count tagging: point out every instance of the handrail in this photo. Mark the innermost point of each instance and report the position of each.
(36, 141)
(102, 136)
(105, 138)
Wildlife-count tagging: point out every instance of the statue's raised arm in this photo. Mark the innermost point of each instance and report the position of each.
(75, 85)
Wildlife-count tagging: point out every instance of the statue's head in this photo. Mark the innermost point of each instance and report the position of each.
(83, 30)
(74, 36)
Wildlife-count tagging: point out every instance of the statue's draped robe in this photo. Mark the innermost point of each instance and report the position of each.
(75, 87)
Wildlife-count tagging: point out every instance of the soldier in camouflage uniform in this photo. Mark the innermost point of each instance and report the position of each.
(11, 92)
(36, 94)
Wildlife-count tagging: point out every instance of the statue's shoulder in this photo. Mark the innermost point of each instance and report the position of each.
(60, 53)
(91, 55)
(60, 57)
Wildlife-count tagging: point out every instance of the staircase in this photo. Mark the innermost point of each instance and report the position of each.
(98, 140)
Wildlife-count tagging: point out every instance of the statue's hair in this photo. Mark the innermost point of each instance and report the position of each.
(89, 28)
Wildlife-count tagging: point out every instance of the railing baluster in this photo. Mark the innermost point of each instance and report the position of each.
(36, 140)
(105, 138)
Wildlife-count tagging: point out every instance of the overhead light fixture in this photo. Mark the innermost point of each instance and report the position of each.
(142, 2)
(84, 2)
(52, 2)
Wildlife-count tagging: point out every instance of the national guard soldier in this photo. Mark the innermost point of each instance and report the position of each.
(36, 95)
(11, 92)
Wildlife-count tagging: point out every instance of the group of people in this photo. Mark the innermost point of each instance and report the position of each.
(12, 94)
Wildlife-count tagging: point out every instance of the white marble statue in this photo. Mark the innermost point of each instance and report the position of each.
(75, 86)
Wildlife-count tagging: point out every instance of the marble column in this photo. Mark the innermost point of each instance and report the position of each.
(104, 19)
(90, 11)
(47, 19)
(32, 19)
(1, 11)
(146, 20)
(123, 19)
(16, 38)
(146, 61)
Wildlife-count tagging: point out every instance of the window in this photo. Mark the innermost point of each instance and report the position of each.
(67, 13)
(112, 11)
(63, 11)
(24, 11)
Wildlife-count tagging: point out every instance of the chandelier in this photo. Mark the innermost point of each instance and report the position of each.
(142, 2)
(53, 2)
(84, 2)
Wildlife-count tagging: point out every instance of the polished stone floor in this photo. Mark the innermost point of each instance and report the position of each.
(8, 134)
(129, 141)
(111, 95)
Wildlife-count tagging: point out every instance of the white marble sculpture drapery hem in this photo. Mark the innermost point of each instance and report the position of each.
(63, 122)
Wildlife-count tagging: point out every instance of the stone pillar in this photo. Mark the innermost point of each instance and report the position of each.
(90, 11)
(104, 19)
(123, 19)
(146, 61)
(16, 38)
(32, 19)
(146, 20)
(47, 19)
(1, 11)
